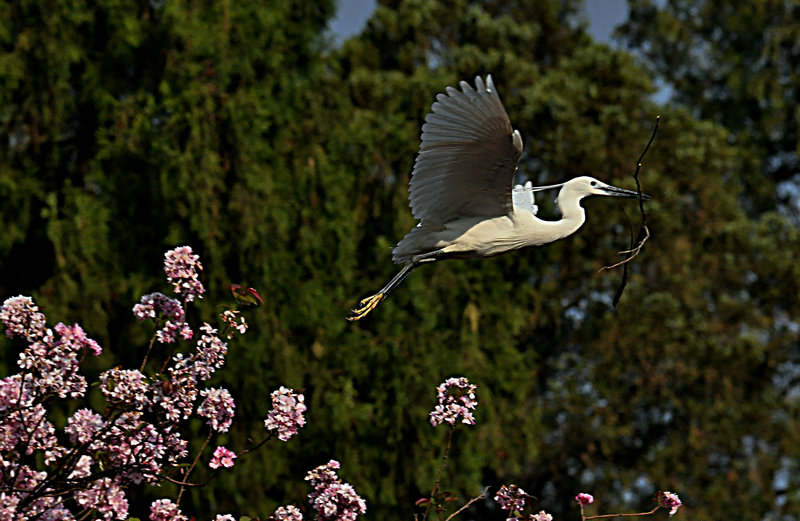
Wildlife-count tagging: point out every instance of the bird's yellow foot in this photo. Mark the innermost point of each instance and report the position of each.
(364, 307)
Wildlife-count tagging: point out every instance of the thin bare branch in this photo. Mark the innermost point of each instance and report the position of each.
(630, 254)
(466, 506)
(192, 466)
(644, 233)
(147, 354)
(623, 515)
(439, 473)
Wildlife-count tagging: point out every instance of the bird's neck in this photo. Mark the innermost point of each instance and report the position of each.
(535, 231)
(572, 215)
(571, 219)
(572, 212)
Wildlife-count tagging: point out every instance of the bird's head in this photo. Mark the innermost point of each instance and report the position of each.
(585, 186)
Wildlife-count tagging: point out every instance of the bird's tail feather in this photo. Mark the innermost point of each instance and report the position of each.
(419, 241)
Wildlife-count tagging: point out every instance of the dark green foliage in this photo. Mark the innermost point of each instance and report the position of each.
(733, 65)
(232, 127)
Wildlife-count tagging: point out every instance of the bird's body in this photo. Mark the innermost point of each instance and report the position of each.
(474, 237)
(461, 189)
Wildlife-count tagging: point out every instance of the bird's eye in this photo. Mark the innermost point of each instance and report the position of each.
(593, 183)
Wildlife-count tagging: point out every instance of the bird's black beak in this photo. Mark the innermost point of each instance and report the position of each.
(621, 192)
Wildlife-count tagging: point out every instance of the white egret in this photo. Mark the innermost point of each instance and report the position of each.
(461, 189)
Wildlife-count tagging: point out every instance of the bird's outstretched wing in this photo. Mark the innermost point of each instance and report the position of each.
(467, 157)
(523, 198)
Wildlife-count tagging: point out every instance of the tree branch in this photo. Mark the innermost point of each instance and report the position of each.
(624, 515)
(644, 231)
(471, 501)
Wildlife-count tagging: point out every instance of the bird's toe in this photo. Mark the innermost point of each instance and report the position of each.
(365, 306)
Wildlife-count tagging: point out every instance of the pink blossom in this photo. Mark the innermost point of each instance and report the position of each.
(106, 497)
(54, 363)
(159, 307)
(584, 499)
(323, 475)
(176, 395)
(511, 498)
(224, 517)
(83, 467)
(165, 510)
(456, 399)
(541, 516)
(25, 424)
(339, 502)
(21, 479)
(125, 386)
(23, 420)
(669, 500)
(234, 321)
(82, 425)
(181, 266)
(287, 513)
(222, 457)
(136, 449)
(286, 415)
(22, 318)
(75, 336)
(15, 392)
(210, 354)
(332, 499)
(218, 407)
(53, 455)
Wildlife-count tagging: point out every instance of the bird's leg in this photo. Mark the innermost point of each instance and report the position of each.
(369, 303)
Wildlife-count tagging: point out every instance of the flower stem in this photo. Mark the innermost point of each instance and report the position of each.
(147, 354)
(439, 473)
(618, 515)
(191, 467)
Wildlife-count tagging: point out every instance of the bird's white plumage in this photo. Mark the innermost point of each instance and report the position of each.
(523, 199)
(461, 189)
(467, 157)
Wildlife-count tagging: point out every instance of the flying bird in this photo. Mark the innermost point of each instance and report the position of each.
(462, 192)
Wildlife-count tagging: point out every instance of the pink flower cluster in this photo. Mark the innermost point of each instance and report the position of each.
(176, 395)
(168, 311)
(210, 355)
(182, 266)
(456, 400)
(166, 510)
(24, 425)
(52, 362)
(584, 499)
(218, 408)
(222, 458)
(287, 513)
(234, 321)
(669, 500)
(511, 498)
(135, 439)
(127, 387)
(106, 497)
(332, 499)
(135, 449)
(23, 481)
(286, 415)
(22, 318)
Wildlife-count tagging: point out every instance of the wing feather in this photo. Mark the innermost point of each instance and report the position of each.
(523, 197)
(467, 157)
